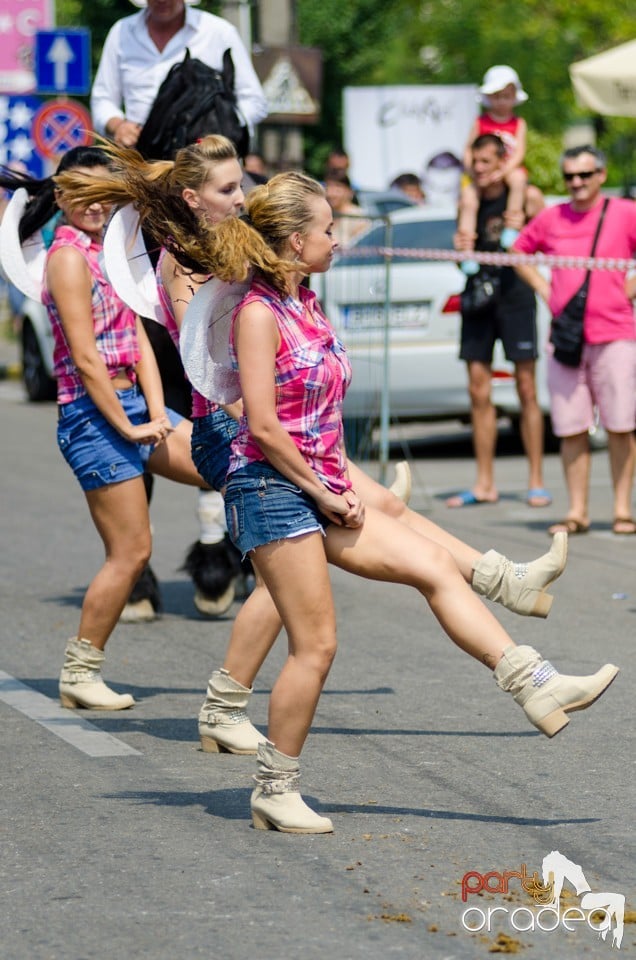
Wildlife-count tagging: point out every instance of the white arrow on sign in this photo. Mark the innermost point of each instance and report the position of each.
(60, 55)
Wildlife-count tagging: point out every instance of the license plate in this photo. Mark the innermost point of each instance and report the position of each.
(371, 316)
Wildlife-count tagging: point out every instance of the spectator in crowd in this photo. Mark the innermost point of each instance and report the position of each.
(441, 178)
(411, 185)
(349, 219)
(509, 316)
(501, 92)
(606, 377)
(254, 164)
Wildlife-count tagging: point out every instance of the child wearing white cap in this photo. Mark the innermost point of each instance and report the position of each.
(500, 92)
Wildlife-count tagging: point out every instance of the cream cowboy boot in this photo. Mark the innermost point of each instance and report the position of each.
(81, 683)
(276, 801)
(521, 586)
(401, 486)
(545, 695)
(224, 726)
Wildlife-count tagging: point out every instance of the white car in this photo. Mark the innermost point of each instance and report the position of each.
(427, 380)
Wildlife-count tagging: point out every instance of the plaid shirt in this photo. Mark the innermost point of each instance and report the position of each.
(312, 375)
(114, 323)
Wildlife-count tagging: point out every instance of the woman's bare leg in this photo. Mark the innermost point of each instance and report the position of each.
(120, 515)
(383, 549)
(297, 577)
(375, 495)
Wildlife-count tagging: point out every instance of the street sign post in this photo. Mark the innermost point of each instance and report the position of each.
(62, 61)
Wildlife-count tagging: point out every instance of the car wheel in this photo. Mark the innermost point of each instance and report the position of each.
(39, 385)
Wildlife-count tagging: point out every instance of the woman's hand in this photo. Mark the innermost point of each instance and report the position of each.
(345, 510)
(155, 431)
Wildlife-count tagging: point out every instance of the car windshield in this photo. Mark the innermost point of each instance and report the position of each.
(412, 234)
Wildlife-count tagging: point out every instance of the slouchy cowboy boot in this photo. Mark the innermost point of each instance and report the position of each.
(81, 683)
(546, 695)
(224, 726)
(401, 486)
(276, 801)
(521, 586)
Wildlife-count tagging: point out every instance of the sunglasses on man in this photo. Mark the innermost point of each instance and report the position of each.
(582, 174)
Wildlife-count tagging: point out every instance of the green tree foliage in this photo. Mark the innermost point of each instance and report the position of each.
(455, 41)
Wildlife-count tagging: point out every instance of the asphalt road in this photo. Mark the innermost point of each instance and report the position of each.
(120, 838)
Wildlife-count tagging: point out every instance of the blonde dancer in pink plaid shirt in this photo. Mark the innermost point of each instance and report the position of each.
(291, 504)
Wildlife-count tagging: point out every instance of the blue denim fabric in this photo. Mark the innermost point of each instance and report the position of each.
(96, 453)
(262, 506)
(212, 437)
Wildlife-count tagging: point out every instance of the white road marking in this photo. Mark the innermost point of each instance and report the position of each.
(65, 724)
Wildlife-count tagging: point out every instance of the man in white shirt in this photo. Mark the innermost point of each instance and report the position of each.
(140, 50)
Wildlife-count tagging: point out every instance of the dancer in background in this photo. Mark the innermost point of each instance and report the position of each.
(113, 422)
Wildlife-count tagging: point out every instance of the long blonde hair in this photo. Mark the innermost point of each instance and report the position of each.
(154, 187)
(257, 240)
(230, 249)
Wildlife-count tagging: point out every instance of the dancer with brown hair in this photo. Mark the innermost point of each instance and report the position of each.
(113, 422)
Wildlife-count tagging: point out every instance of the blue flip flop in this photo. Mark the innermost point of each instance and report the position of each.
(466, 499)
(539, 493)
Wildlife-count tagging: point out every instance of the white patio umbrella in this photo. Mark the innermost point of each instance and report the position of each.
(606, 83)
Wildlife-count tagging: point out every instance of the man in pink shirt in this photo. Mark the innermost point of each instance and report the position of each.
(606, 377)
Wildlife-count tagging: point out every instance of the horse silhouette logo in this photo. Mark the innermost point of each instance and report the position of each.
(556, 869)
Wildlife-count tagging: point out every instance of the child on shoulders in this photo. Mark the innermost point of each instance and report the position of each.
(501, 92)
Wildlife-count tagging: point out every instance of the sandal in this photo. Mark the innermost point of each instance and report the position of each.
(569, 526)
(621, 523)
(538, 497)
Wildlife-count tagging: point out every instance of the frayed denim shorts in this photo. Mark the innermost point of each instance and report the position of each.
(262, 506)
(96, 453)
(212, 437)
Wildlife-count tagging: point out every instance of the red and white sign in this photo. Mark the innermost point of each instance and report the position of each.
(60, 125)
(19, 21)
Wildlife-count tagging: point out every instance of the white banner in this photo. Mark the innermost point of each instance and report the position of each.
(414, 129)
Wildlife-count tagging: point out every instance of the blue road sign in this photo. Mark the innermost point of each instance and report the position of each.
(62, 61)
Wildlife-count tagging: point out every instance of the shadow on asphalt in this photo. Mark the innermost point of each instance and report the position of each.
(233, 804)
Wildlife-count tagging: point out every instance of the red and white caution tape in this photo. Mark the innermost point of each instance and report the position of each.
(495, 259)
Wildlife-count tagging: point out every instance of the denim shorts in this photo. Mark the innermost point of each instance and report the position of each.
(212, 436)
(262, 506)
(96, 453)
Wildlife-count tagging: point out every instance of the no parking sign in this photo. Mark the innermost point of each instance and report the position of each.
(60, 125)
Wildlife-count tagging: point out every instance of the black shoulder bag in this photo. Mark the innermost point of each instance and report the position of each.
(566, 332)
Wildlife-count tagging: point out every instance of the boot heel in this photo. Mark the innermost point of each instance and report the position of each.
(554, 722)
(260, 822)
(208, 745)
(542, 605)
(69, 702)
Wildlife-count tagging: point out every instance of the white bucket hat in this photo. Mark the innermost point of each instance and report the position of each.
(142, 3)
(496, 78)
